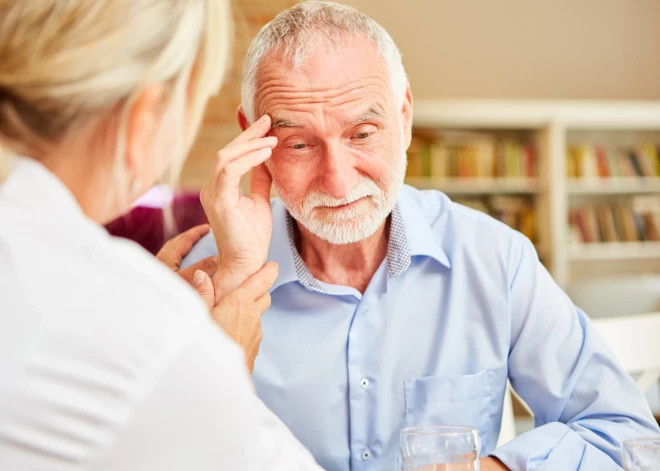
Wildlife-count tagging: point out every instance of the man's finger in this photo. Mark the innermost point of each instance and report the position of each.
(204, 286)
(231, 175)
(231, 153)
(208, 265)
(258, 129)
(260, 184)
(259, 283)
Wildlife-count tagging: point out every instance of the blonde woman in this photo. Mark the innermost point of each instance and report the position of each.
(108, 361)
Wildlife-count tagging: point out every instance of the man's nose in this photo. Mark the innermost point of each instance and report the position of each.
(339, 174)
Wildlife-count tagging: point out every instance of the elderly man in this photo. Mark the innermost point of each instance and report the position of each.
(395, 307)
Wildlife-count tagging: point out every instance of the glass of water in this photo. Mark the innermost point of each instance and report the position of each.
(440, 448)
(641, 454)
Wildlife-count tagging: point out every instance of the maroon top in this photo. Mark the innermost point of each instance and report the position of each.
(146, 226)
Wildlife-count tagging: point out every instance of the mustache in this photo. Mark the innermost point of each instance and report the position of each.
(365, 187)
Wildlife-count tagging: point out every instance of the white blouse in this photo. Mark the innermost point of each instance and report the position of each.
(108, 361)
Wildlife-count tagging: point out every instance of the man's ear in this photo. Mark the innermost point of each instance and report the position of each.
(407, 116)
(241, 118)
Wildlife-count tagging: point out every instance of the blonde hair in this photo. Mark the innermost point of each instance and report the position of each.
(63, 62)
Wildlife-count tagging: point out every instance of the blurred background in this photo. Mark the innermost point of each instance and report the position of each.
(545, 115)
(479, 49)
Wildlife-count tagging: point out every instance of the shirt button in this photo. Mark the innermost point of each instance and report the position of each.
(364, 382)
(366, 455)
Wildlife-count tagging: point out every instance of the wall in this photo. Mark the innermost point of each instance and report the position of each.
(583, 49)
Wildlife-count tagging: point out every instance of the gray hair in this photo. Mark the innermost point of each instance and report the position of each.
(297, 32)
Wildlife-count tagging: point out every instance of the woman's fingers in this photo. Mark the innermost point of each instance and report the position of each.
(175, 249)
(208, 265)
(204, 286)
(258, 284)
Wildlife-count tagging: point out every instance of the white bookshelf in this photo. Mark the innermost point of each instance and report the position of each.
(554, 125)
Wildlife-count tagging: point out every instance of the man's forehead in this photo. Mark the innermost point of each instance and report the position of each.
(330, 77)
(284, 86)
(291, 107)
(284, 119)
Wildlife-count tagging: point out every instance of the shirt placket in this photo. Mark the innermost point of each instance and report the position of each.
(360, 387)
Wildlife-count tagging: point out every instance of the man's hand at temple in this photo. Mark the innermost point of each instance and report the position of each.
(242, 225)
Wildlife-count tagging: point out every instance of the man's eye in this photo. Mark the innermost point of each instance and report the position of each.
(299, 146)
(363, 135)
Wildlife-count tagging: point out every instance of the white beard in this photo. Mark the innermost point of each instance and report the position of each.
(349, 225)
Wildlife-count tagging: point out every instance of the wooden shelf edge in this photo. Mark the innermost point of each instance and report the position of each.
(477, 186)
(614, 251)
(614, 185)
(536, 114)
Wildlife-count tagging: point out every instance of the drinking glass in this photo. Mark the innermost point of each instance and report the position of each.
(440, 448)
(641, 454)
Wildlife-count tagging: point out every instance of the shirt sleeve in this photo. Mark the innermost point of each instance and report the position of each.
(203, 415)
(585, 404)
(205, 247)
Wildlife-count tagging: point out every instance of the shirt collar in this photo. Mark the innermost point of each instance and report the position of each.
(422, 234)
(281, 250)
(411, 234)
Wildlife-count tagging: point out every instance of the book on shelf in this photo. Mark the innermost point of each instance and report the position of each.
(595, 161)
(458, 154)
(516, 212)
(635, 219)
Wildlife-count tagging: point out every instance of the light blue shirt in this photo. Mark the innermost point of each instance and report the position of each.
(460, 304)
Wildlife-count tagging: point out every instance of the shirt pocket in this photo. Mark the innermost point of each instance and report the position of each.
(455, 400)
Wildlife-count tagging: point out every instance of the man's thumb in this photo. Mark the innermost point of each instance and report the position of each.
(204, 286)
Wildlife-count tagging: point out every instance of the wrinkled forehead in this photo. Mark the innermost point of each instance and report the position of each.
(332, 78)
